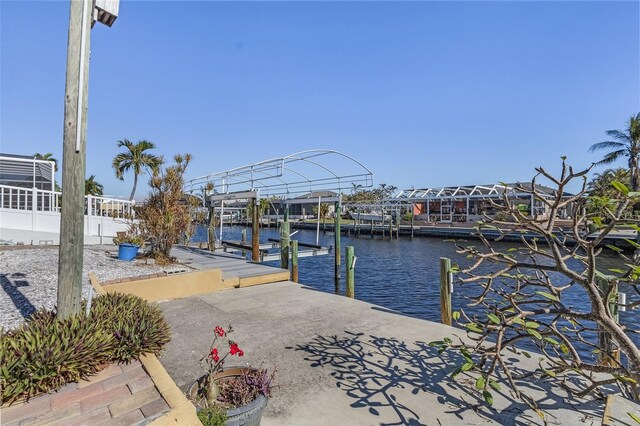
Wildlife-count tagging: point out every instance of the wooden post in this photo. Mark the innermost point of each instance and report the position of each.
(605, 341)
(412, 225)
(294, 261)
(337, 253)
(255, 232)
(371, 228)
(391, 229)
(351, 264)
(74, 160)
(446, 288)
(211, 236)
(284, 242)
(243, 239)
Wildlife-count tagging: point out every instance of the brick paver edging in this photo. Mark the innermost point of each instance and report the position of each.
(182, 412)
(120, 394)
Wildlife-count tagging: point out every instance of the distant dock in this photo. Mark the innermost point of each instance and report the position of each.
(617, 238)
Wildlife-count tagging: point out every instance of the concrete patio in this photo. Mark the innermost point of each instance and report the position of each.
(342, 361)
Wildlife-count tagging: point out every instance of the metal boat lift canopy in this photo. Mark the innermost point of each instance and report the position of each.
(286, 177)
(295, 178)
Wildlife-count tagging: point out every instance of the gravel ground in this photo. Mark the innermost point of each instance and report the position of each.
(29, 278)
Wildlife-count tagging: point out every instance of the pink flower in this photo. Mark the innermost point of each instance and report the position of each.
(219, 331)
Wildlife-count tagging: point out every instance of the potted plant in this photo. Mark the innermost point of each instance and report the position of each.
(128, 246)
(232, 395)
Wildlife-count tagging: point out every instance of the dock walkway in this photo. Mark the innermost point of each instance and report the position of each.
(341, 361)
(233, 267)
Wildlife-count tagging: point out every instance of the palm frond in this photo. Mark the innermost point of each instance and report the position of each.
(612, 156)
(620, 136)
(606, 145)
(124, 142)
(144, 145)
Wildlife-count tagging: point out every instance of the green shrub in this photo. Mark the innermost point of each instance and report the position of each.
(501, 216)
(137, 325)
(212, 416)
(44, 353)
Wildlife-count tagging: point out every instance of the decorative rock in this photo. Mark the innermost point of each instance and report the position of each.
(29, 278)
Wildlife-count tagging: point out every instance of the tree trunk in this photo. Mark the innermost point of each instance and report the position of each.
(135, 184)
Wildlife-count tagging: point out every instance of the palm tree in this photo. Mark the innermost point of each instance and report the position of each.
(625, 143)
(601, 183)
(47, 157)
(92, 186)
(137, 159)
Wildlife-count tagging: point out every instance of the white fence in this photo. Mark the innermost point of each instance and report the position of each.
(37, 210)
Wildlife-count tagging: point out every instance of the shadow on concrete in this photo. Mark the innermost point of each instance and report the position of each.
(10, 287)
(392, 380)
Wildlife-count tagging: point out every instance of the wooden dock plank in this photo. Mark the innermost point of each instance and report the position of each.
(235, 269)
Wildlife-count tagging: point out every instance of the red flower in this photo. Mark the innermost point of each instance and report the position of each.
(234, 349)
(214, 355)
(219, 331)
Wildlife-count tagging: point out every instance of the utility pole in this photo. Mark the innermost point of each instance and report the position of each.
(74, 143)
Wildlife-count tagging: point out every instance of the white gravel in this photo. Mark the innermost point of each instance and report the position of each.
(29, 278)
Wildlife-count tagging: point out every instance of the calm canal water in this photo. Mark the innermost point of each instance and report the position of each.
(400, 274)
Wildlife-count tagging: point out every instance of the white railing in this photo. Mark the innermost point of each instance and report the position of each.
(33, 199)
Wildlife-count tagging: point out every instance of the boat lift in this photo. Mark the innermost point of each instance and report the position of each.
(281, 178)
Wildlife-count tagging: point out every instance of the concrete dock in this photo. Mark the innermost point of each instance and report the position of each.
(345, 362)
(233, 267)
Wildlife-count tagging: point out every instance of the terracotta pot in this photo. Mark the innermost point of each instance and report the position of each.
(246, 415)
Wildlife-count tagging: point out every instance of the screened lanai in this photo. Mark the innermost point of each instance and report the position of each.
(466, 203)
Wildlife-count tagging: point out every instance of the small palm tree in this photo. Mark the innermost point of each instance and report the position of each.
(135, 158)
(92, 186)
(47, 157)
(601, 183)
(625, 143)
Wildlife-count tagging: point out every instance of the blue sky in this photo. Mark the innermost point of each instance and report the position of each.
(423, 93)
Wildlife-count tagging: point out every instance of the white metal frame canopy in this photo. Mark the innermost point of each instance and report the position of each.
(293, 175)
(291, 179)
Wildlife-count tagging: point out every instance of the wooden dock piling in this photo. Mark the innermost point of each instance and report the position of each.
(255, 232)
(350, 260)
(446, 288)
(338, 211)
(605, 341)
(294, 261)
(412, 226)
(211, 235)
(284, 242)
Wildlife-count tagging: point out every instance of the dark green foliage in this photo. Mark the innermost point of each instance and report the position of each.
(137, 325)
(45, 353)
(212, 416)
